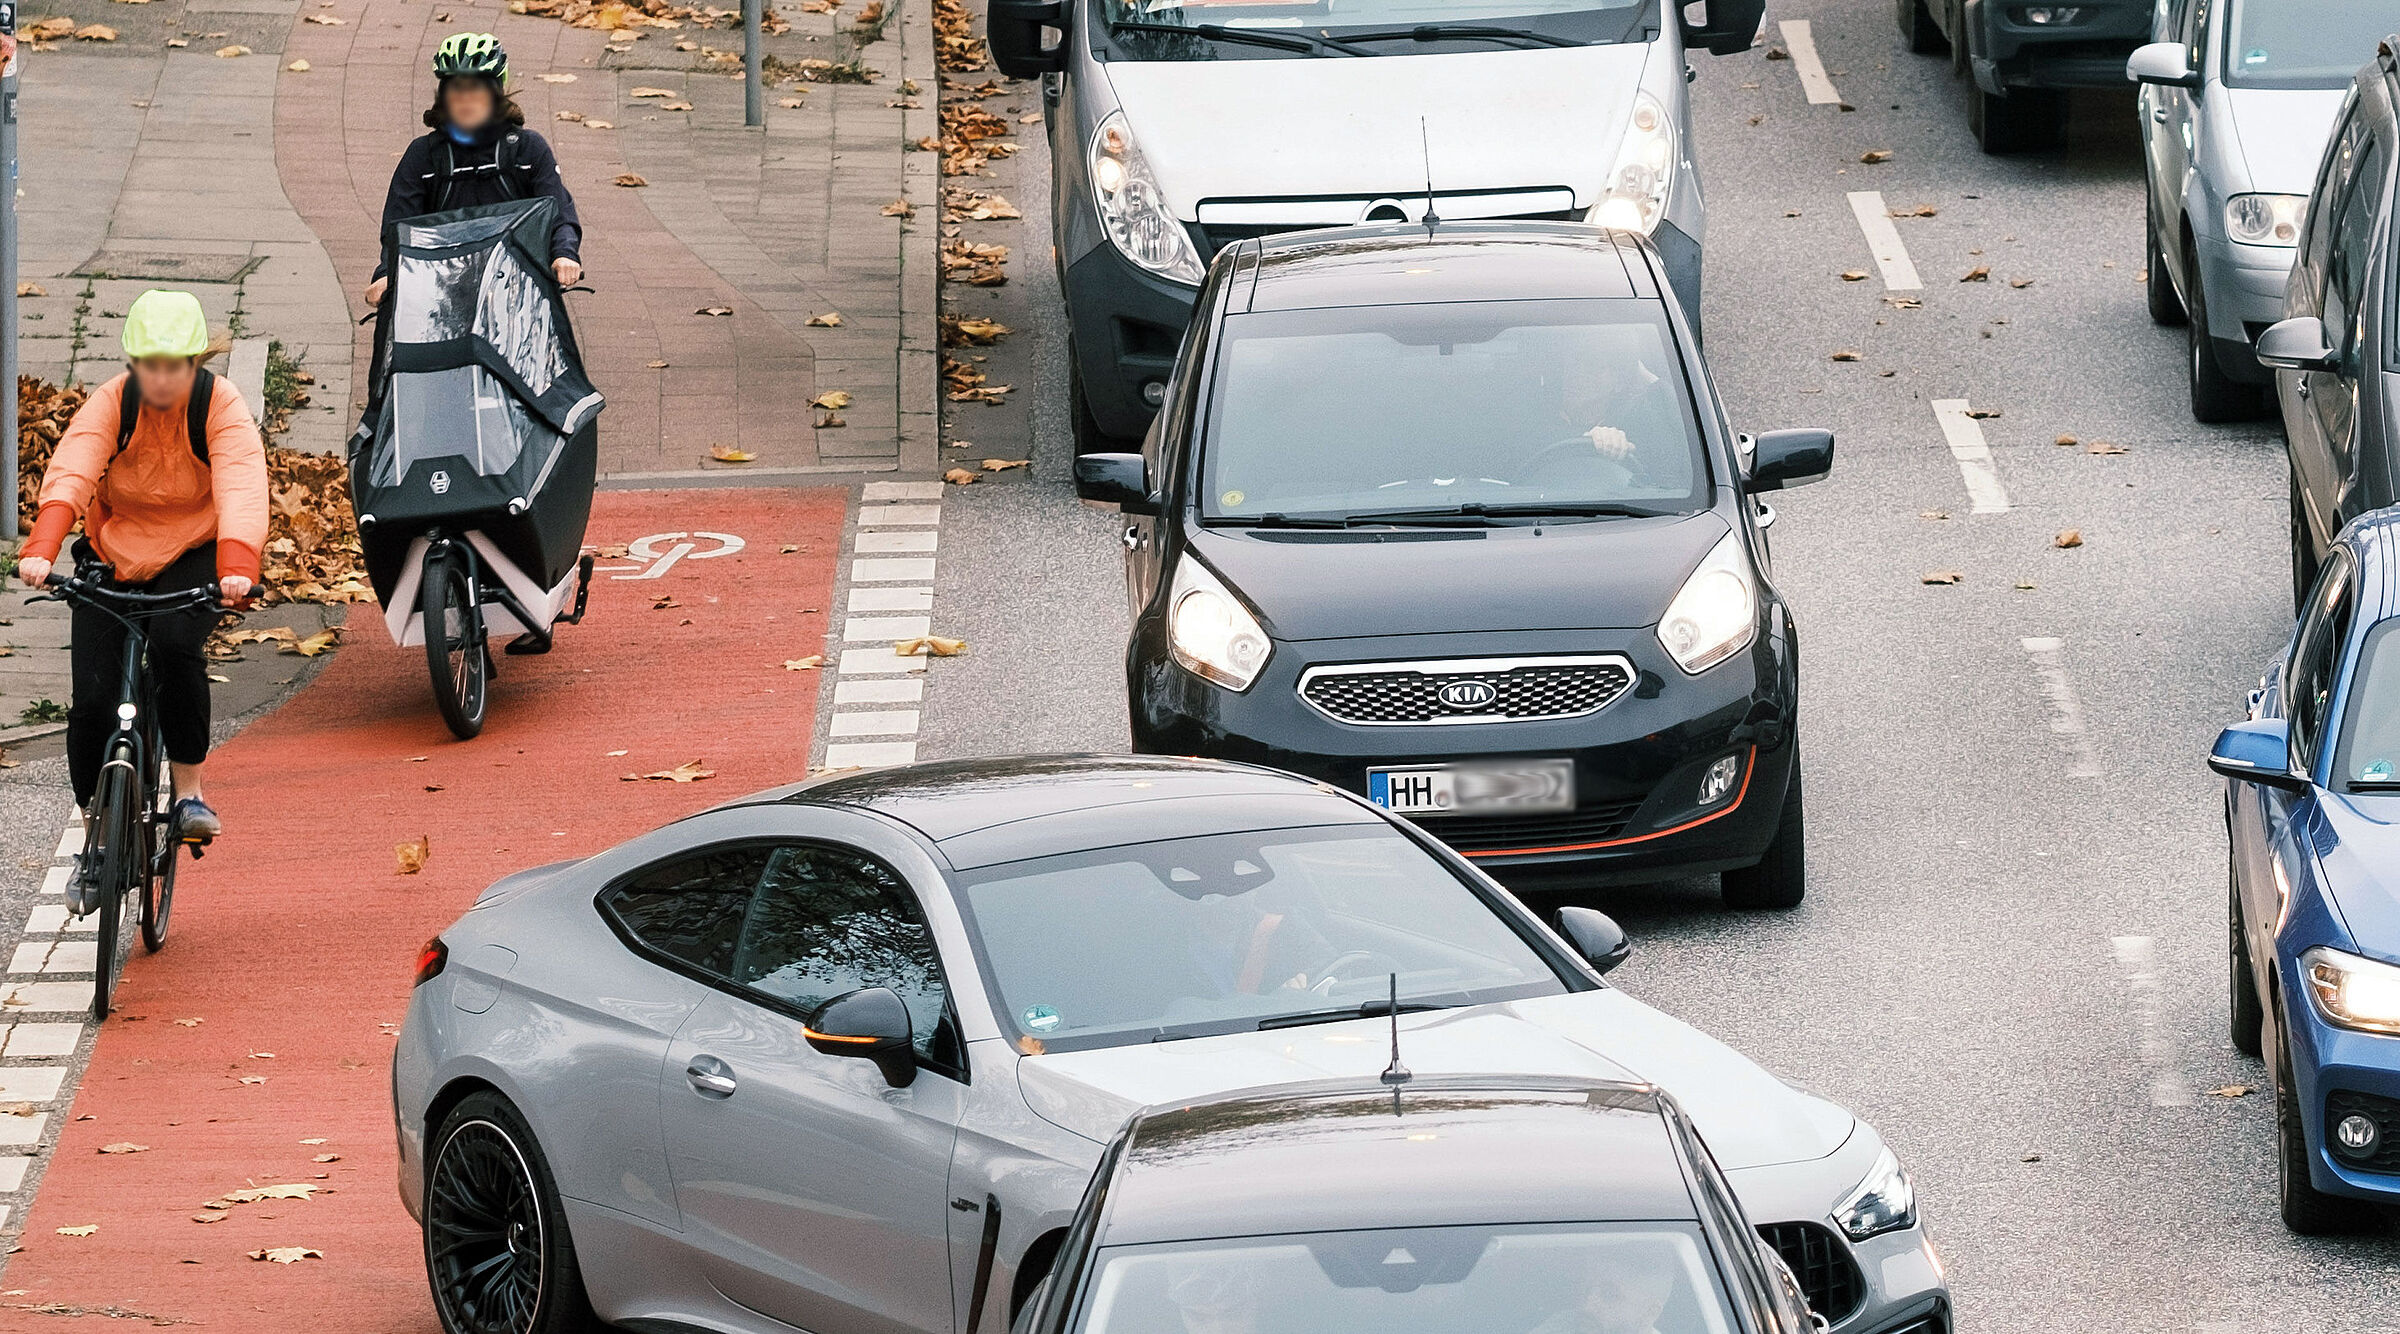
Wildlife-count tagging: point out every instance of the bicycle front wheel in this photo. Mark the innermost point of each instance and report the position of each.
(454, 647)
(120, 854)
(158, 885)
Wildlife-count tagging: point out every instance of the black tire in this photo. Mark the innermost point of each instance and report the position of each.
(2248, 1014)
(489, 1197)
(1917, 28)
(121, 856)
(158, 882)
(1089, 437)
(2216, 396)
(2165, 306)
(1780, 880)
(2305, 565)
(2306, 1210)
(455, 652)
(2026, 120)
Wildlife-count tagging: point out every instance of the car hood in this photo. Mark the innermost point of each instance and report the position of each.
(2361, 862)
(1607, 574)
(2282, 132)
(1484, 120)
(1749, 1117)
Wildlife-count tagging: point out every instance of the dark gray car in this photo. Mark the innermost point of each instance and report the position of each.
(2021, 59)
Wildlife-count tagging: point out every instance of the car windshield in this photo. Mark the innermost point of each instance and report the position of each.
(1578, 1278)
(1536, 22)
(2302, 43)
(2369, 758)
(1222, 934)
(1503, 405)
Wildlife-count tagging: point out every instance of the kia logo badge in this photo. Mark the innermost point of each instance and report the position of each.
(441, 483)
(1465, 695)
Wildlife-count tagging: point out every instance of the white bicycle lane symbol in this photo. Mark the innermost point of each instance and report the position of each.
(659, 552)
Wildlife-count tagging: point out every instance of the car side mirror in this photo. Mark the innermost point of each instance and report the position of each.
(2258, 751)
(872, 1024)
(1780, 460)
(1729, 28)
(2166, 64)
(1596, 936)
(1019, 47)
(2297, 344)
(1122, 480)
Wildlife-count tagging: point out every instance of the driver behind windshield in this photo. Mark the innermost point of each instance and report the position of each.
(1610, 396)
(1627, 1296)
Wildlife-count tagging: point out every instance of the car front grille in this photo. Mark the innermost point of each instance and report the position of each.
(2384, 1155)
(1823, 1265)
(1480, 834)
(1501, 690)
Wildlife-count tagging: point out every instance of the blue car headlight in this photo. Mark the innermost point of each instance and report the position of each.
(1883, 1202)
(2351, 992)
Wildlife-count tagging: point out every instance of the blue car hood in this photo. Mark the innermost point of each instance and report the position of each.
(2359, 850)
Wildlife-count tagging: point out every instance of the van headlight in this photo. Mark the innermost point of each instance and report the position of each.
(1212, 633)
(1715, 614)
(1132, 208)
(2351, 992)
(1636, 197)
(2266, 219)
(1883, 1202)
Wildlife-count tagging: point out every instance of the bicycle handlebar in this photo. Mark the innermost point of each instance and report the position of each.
(71, 589)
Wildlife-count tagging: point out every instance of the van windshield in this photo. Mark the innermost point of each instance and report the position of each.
(1371, 27)
(2319, 44)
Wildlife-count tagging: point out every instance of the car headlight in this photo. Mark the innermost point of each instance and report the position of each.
(1715, 614)
(2351, 992)
(1636, 197)
(1212, 633)
(1884, 1202)
(2266, 219)
(1132, 208)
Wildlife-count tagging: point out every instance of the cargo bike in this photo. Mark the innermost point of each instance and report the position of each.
(473, 466)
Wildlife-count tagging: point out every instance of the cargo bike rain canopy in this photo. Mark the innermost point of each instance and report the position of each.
(480, 417)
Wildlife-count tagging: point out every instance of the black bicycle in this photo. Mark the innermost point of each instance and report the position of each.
(133, 834)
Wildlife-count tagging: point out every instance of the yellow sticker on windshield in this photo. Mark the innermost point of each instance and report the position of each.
(1233, 498)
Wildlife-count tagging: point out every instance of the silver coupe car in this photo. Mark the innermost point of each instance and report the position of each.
(841, 1057)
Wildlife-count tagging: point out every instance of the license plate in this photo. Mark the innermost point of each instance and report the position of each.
(1523, 786)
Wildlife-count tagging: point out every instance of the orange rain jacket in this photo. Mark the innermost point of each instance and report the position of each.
(157, 500)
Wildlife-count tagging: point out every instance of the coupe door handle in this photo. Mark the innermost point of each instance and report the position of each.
(2302, 388)
(710, 1077)
(2159, 114)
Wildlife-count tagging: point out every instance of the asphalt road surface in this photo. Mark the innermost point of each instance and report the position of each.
(2012, 954)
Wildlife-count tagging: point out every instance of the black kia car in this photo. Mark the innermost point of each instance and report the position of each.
(1450, 516)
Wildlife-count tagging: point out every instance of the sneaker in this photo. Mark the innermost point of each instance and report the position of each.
(195, 822)
(83, 888)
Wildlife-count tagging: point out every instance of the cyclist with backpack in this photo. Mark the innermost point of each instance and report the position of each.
(165, 467)
(478, 151)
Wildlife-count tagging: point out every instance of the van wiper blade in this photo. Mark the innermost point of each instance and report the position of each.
(1287, 39)
(1444, 32)
(1370, 1010)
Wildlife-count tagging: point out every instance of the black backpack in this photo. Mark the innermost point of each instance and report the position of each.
(204, 392)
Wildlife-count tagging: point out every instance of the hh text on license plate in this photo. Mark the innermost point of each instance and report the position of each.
(1527, 786)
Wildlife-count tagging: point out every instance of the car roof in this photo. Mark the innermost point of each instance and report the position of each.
(2375, 536)
(1409, 263)
(985, 812)
(1458, 1150)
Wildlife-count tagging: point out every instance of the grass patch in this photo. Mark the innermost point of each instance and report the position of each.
(43, 711)
(286, 389)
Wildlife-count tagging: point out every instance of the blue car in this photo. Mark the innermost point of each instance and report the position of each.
(2313, 819)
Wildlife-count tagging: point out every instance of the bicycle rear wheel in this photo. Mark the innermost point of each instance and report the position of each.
(119, 857)
(158, 884)
(454, 645)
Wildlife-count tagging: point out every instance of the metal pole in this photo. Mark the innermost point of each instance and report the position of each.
(8, 277)
(754, 90)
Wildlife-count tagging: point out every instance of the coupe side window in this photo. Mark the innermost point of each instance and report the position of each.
(826, 921)
(691, 909)
(2348, 253)
(2309, 686)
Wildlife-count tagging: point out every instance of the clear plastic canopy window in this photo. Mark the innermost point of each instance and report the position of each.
(430, 411)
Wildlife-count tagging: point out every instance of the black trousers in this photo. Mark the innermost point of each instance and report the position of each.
(178, 672)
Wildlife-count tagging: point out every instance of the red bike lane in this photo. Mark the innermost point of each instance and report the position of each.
(293, 942)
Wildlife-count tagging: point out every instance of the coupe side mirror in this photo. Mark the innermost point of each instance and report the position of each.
(1019, 46)
(2166, 64)
(2258, 751)
(1729, 28)
(1596, 936)
(2297, 344)
(1122, 480)
(872, 1024)
(1784, 459)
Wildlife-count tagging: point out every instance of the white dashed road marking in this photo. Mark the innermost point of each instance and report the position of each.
(1801, 41)
(1965, 437)
(2137, 957)
(1891, 254)
(891, 599)
(2066, 709)
(42, 1021)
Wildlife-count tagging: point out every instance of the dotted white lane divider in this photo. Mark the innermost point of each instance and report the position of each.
(1883, 239)
(1964, 435)
(2137, 958)
(2066, 707)
(1801, 40)
(45, 1005)
(878, 693)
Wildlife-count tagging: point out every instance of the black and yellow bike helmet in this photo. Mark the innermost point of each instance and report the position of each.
(472, 54)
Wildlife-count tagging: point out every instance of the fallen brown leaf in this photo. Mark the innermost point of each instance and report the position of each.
(2104, 447)
(961, 477)
(1941, 577)
(831, 319)
(1003, 465)
(571, 117)
(298, 67)
(410, 854)
(95, 32)
(557, 78)
(809, 663)
(715, 312)
(2068, 440)
(1875, 155)
(1846, 355)
(652, 92)
(1920, 211)
(1854, 275)
(630, 180)
(2020, 283)
(1981, 273)
(1933, 514)
(930, 646)
(232, 52)
(728, 454)
(79, 1230)
(2232, 1091)
(899, 208)
(287, 1255)
(2072, 537)
(831, 400)
(125, 1146)
(690, 771)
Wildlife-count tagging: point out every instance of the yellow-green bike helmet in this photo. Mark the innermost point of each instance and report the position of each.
(163, 323)
(476, 54)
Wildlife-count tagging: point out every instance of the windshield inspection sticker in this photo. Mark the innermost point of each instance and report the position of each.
(1232, 498)
(1041, 1018)
(2256, 57)
(2377, 771)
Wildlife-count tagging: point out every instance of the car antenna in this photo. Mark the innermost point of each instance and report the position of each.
(1432, 220)
(1396, 1074)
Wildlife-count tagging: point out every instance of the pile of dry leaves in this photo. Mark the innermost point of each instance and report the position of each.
(621, 16)
(971, 138)
(956, 47)
(43, 410)
(975, 263)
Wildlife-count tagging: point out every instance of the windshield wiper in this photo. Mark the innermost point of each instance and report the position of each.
(1370, 1010)
(1443, 32)
(1286, 39)
(1272, 520)
(1475, 509)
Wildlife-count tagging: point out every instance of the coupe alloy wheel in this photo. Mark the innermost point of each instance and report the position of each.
(486, 1237)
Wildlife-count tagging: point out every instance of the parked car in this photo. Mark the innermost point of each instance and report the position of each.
(1562, 1206)
(842, 1056)
(2336, 354)
(2238, 97)
(1451, 517)
(2020, 60)
(1179, 130)
(2312, 814)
